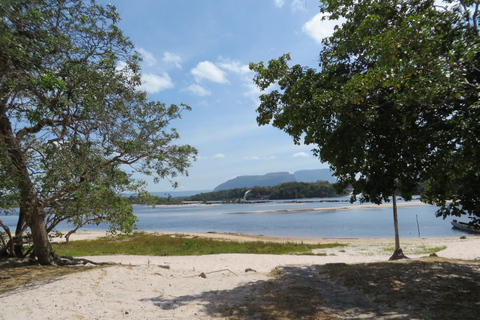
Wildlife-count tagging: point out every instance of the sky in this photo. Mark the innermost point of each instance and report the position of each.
(197, 53)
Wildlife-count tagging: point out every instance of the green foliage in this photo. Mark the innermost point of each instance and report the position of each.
(222, 195)
(259, 193)
(73, 124)
(287, 190)
(140, 243)
(152, 200)
(394, 103)
(302, 190)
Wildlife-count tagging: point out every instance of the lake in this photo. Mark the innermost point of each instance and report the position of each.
(315, 218)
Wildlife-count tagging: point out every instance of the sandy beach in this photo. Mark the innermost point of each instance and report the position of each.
(194, 287)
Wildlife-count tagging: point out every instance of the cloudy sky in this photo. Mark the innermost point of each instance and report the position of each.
(197, 52)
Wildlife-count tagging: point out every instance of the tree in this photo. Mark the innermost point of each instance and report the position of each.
(396, 85)
(302, 190)
(73, 124)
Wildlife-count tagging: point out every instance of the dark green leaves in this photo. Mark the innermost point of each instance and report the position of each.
(393, 101)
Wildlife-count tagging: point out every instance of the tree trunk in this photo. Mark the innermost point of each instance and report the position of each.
(41, 244)
(8, 247)
(19, 233)
(31, 208)
(398, 254)
(395, 222)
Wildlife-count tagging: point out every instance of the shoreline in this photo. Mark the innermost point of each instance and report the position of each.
(354, 249)
(94, 234)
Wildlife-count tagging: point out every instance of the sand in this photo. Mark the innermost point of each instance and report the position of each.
(193, 287)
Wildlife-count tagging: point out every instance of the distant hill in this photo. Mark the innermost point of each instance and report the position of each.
(272, 179)
(314, 175)
(269, 179)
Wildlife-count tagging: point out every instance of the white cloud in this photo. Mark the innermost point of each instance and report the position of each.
(279, 3)
(152, 83)
(299, 5)
(300, 155)
(198, 90)
(260, 158)
(207, 70)
(148, 57)
(295, 4)
(219, 156)
(253, 92)
(319, 29)
(169, 57)
(235, 66)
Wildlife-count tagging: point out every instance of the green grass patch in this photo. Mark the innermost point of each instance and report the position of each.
(423, 249)
(140, 243)
(420, 249)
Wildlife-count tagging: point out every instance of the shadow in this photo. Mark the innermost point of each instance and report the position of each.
(20, 275)
(390, 290)
(432, 288)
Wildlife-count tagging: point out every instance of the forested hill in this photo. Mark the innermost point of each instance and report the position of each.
(287, 190)
(275, 178)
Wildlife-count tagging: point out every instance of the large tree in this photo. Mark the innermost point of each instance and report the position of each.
(394, 102)
(73, 124)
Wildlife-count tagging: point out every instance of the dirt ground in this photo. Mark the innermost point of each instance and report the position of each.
(429, 288)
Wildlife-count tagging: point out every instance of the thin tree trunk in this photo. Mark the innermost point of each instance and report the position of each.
(395, 222)
(398, 254)
(8, 246)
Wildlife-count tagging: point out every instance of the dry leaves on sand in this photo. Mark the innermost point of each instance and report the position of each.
(16, 274)
(417, 289)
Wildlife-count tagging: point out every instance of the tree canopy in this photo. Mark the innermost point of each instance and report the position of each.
(73, 124)
(393, 103)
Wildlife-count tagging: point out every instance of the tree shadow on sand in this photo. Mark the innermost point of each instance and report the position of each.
(416, 289)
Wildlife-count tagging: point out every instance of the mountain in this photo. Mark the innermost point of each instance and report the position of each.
(269, 179)
(314, 175)
(274, 178)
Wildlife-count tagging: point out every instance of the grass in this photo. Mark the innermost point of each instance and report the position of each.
(420, 249)
(423, 249)
(140, 243)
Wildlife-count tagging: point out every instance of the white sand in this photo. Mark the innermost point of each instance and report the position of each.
(141, 288)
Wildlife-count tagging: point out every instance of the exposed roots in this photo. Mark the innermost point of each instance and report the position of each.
(398, 255)
(71, 261)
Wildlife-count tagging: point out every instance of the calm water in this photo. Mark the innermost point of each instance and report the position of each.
(311, 219)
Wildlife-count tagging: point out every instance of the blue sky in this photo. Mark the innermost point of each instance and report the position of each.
(197, 52)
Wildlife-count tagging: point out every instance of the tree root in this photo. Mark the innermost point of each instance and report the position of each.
(398, 255)
(204, 274)
(14, 262)
(71, 261)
